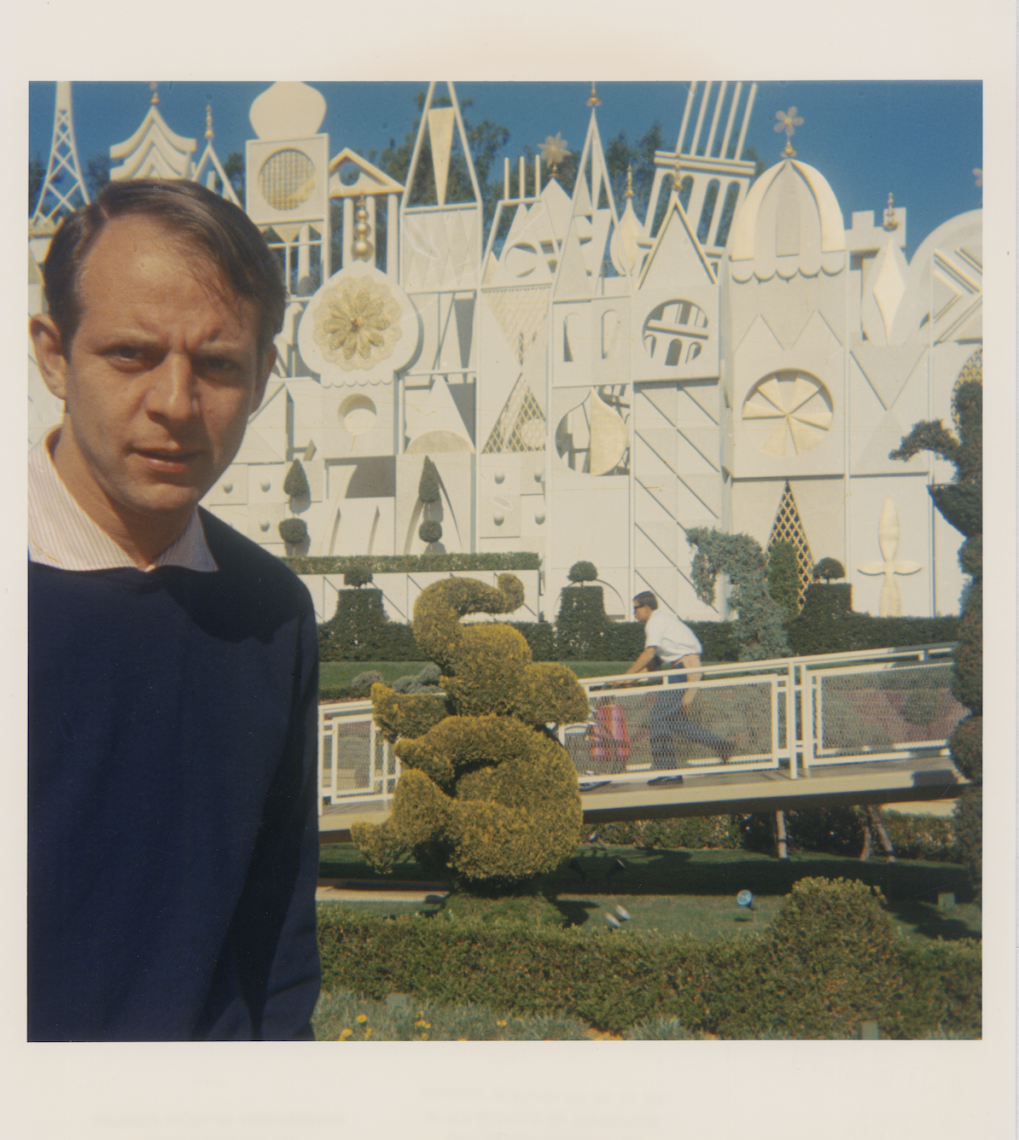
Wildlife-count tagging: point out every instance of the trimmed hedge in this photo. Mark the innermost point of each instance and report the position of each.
(361, 631)
(413, 563)
(832, 831)
(829, 962)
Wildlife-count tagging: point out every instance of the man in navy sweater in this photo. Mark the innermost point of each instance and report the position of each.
(173, 670)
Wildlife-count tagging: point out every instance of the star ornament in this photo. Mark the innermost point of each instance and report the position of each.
(788, 121)
(554, 150)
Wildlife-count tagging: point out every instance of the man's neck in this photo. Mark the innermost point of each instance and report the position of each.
(142, 538)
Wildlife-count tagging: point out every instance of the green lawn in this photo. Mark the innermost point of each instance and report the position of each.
(694, 892)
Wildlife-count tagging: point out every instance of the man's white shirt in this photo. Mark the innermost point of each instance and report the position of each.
(671, 637)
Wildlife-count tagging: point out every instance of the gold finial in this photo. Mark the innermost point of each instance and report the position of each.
(677, 180)
(629, 182)
(788, 122)
(890, 222)
(208, 121)
(155, 93)
(361, 248)
(553, 151)
(592, 99)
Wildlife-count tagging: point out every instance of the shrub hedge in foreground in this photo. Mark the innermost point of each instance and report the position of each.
(830, 961)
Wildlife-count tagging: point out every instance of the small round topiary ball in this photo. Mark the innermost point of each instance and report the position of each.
(430, 531)
(829, 568)
(583, 572)
(294, 531)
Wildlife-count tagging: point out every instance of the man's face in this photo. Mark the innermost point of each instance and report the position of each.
(159, 381)
(642, 614)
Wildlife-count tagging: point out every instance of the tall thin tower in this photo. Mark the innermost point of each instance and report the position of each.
(64, 188)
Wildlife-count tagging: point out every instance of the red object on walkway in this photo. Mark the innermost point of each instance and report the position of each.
(610, 737)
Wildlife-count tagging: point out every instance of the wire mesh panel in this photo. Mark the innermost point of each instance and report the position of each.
(867, 714)
(731, 723)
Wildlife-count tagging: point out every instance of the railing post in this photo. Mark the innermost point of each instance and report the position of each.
(790, 721)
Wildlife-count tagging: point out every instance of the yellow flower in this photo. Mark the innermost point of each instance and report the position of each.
(362, 1017)
(501, 1024)
(367, 1031)
(345, 1033)
(422, 1025)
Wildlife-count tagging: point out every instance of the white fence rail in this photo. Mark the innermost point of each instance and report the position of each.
(790, 714)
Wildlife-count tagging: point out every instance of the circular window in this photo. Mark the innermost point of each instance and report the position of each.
(287, 179)
(358, 414)
(787, 413)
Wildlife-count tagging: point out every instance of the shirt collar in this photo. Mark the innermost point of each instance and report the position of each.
(61, 534)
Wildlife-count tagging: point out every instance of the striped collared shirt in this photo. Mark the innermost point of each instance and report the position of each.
(61, 534)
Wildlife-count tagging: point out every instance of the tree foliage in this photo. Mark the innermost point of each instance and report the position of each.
(296, 482)
(784, 578)
(428, 485)
(827, 569)
(583, 572)
(759, 624)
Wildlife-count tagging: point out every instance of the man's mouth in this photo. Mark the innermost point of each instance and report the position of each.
(168, 460)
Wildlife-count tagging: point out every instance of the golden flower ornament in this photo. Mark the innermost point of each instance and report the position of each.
(357, 323)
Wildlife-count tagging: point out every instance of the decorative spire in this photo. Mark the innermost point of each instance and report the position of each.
(361, 248)
(208, 121)
(553, 151)
(592, 99)
(154, 85)
(629, 182)
(788, 122)
(890, 222)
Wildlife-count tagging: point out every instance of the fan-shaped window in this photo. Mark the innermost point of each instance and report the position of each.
(674, 332)
(787, 413)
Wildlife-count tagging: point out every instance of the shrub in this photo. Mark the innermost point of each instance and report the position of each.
(358, 574)
(485, 792)
(428, 486)
(361, 630)
(427, 562)
(583, 572)
(293, 531)
(760, 620)
(296, 482)
(361, 685)
(694, 832)
(968, 824)
(581, 624)
(783, 578)
(430, 530)
(827, 569)
(843, 969)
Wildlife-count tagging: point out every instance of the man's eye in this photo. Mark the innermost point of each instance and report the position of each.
(125, 352)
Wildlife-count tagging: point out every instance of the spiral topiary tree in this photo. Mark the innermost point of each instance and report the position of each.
(961, 503)
(760, 629)
(486, 793)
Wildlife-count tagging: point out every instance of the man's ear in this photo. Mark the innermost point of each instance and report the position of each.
(268, 360)
(49, 354)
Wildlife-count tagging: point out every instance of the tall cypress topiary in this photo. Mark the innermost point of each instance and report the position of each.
(486, 793)
(960, 503)
(784, 578)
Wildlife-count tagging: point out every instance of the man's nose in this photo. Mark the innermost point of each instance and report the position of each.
(173, 392)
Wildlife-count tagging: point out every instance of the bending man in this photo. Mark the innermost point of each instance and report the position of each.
(671, 644)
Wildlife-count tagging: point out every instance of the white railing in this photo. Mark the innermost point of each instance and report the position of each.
(791, 714)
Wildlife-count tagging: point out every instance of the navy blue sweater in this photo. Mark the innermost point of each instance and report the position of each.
(173, 838)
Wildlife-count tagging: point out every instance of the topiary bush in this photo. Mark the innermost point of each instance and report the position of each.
(296, 482)
(294, 532)
(358, 574)
(759, 625)
(430, 530)
(486, 792)
(784, 578)
(360, 630)
(827, 569)
(428, 485)
(583, 572)
(581, 624)
(961, 503)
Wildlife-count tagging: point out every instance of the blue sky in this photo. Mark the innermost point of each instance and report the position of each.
(918, 140)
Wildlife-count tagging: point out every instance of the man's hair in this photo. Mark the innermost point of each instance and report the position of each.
(646, 598)
(213, 226)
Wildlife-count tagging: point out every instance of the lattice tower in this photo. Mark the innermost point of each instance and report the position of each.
(787, 527)
(54, 201)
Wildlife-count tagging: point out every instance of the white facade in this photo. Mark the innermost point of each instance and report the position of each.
(589, 389)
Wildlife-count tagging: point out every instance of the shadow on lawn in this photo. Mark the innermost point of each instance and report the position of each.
(911, 889)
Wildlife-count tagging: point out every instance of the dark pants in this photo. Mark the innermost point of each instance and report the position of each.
(668, 720)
